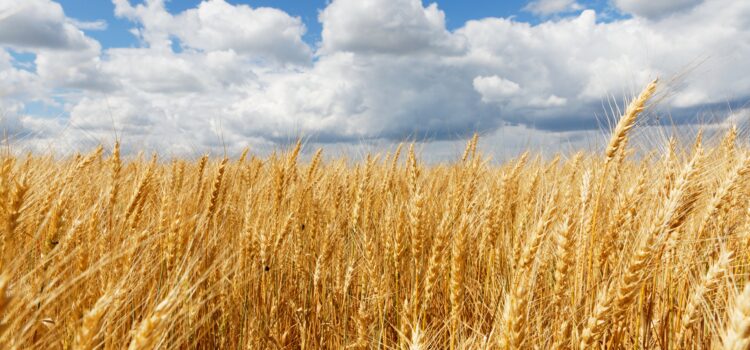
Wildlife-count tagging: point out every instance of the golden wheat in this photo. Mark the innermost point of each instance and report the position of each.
(595, 250)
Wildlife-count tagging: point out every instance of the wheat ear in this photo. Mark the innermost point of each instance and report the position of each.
(712, 278)
(737, 333)
(150, 330)
(86, 335)
(627, 121)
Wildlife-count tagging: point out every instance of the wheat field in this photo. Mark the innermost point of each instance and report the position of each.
(579, 251)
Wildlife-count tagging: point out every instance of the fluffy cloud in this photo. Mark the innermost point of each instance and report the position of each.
(35, 24)
(352, 96)
(498, 90)
(16, 83)
(582, 60)
(383, 70)
(216, 25)
(494, 88)
(390, 27)
(64, 56)
(74, 69)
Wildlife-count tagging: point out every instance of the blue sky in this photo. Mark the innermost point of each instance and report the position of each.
(183, 77)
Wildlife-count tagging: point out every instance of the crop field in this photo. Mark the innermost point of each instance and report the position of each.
(577, 251)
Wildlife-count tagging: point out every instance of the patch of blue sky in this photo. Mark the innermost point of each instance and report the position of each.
(23, 60)
(43, 109)
(117, 32)
(176, 45)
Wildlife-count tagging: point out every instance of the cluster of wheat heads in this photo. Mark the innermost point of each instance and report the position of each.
(586, 251)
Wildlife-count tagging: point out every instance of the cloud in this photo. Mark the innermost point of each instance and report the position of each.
(655, 9)
(494, 88)
(387, 27)
(384, 70)
(216, 25)
(16, 83)
(550, 101)
(583, 61)
(38, 24)
(74, 69)
(349, 96)
(550, 7)
(156, 71)
(64, 56)
(89, 25)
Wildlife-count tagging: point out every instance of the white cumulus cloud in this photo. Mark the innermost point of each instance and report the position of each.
(34, 24)
(393, 26)
(217, 25)
(383, 70)
(494, 88)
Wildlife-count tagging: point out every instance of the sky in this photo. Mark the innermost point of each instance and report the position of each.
(189, 77)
